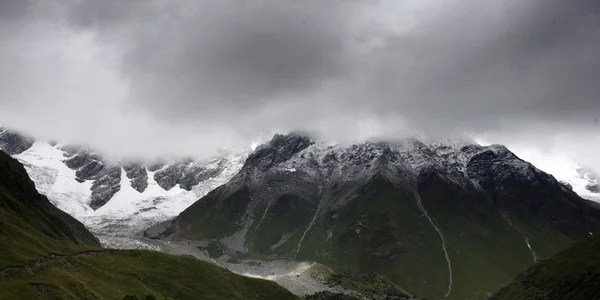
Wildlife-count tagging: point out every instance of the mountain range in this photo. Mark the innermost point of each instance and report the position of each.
(435, 217)
(117, 198)
(441, 219)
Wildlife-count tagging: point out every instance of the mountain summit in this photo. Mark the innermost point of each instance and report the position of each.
(434, 217)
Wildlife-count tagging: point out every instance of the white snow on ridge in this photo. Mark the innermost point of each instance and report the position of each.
(57, 181)
(128, 211)
(562, 168)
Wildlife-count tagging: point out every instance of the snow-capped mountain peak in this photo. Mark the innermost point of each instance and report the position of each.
(117, 197)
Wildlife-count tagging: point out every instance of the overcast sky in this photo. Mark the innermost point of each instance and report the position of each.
(147, 77)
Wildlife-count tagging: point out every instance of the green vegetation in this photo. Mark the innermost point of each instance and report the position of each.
(30, 226)
(110, 274)
(572, 274)
(209, 218)
(283, 225)
(377, 227)
(482, 245)
(330, 296)
(369, 285)
(44, 253)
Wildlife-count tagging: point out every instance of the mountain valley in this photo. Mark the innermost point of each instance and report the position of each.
(431, 216)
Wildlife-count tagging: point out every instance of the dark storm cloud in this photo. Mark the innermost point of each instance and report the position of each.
(477, 69)
(464, 63)
(14, 8)
(345, 69)
(186, 58)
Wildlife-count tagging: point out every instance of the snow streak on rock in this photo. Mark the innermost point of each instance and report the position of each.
(533, 254)
(322, 203)
(422, 208)
(267, 206)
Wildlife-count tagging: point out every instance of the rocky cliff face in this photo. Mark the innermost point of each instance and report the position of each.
(12, 143)
(450, 210)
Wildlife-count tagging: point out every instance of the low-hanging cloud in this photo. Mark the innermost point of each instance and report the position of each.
(214, 73)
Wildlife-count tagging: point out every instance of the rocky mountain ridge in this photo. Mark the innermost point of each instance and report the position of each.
(392, 208)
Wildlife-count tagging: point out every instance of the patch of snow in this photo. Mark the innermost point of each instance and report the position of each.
(128, 211)
(422, 208)
(533, 254)
(53, 178)
(323, 202)
(563, 168)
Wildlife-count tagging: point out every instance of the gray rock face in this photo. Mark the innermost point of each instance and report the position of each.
(187, 173)
(280, 149)
(105, 187)
(13, 143)
(320, 177)
(138, 176)
(384, 204)
(89, 166)
(168, 177)
(156, 166)
(106, 176)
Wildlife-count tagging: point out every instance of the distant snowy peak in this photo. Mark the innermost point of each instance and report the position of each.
(102, 193)
(592, 178)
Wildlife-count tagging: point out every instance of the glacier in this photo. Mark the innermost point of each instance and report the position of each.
(128, 211)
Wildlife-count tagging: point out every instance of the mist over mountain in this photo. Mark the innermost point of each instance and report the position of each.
(339, 149)
(434, 217)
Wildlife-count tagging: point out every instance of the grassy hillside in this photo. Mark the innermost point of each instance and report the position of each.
(441, 222)
(46, 254)
(111, 274)
(30, 225)
(380, 228)
(573, 274)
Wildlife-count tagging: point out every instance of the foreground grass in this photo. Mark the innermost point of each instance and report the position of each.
(381, 229)
(572, 274)
(111, 274)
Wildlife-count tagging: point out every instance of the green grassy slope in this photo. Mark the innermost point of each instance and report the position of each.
(573, 274)
(110, 274)
(433, 223)
(378, 227)
(485, 251)
(46, 254)
(380, 230)
(29, 224)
